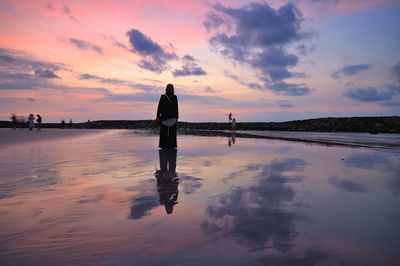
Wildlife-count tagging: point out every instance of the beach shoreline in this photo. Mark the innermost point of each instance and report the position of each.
(353, 140)
(373, 125)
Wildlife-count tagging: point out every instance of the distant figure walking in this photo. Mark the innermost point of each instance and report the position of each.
(63, 124)
(14, 120)
(230, 117)
(31, 120)
(39, 121)
(167, 114)
(70, 123)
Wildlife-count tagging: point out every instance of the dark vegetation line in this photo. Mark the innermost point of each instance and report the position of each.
(380, 124)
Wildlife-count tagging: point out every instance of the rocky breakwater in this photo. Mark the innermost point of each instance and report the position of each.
(387, 124)
(381, 124)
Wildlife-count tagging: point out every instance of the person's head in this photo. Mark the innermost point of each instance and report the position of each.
(170, 89)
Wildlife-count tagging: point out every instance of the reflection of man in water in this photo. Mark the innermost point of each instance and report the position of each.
(232, 139)
(167, 182)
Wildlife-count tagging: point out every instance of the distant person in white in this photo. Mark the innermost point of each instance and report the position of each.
(31, 119)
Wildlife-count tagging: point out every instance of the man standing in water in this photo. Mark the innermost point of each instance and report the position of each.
(167, 114)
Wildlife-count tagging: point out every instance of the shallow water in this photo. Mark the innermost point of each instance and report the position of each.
(378, 141)
(102, 197)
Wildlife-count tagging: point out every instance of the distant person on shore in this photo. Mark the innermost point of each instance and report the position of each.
(88, 123)
(230, 117)
(39, 122)
(31, 120)
(70, 123)
(14, 121)
(233, 124)
(63, 124)
(167, 114)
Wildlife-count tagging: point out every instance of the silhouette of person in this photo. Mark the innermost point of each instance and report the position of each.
(39, 121)
(167, 180)
(167, 114)
(14, 120)
(31, 119)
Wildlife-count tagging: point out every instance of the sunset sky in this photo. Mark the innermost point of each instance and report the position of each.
(271, 60)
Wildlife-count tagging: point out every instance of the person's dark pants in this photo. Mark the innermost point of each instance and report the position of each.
(167, 137)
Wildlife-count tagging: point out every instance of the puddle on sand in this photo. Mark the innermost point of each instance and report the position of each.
(113, 198)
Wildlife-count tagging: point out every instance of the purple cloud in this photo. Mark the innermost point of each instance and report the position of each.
(289, 89)
(6, 59)
(351, 70)
(45, 74)
(63, 10)
(189, 68)
(189, 71)
(396, 71)
(81, 44)
(368, 95)
(154, 57)
(258, 35)
(284, 104)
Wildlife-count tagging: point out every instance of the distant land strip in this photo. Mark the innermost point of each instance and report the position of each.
(373, 125)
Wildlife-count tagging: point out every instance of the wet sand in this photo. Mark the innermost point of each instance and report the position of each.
(104, 197)
(20, 136)
(385, 141)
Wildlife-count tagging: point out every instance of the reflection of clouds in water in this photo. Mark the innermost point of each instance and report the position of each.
(367, 160)
(189, 184)
(279, 166)
(88, 199)
(310, 258)
(142, 206)
(26, 179)
(347, 185)
(373, 160)
(145, 201)
(254, 215)
(283, 150)
(394, 183)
